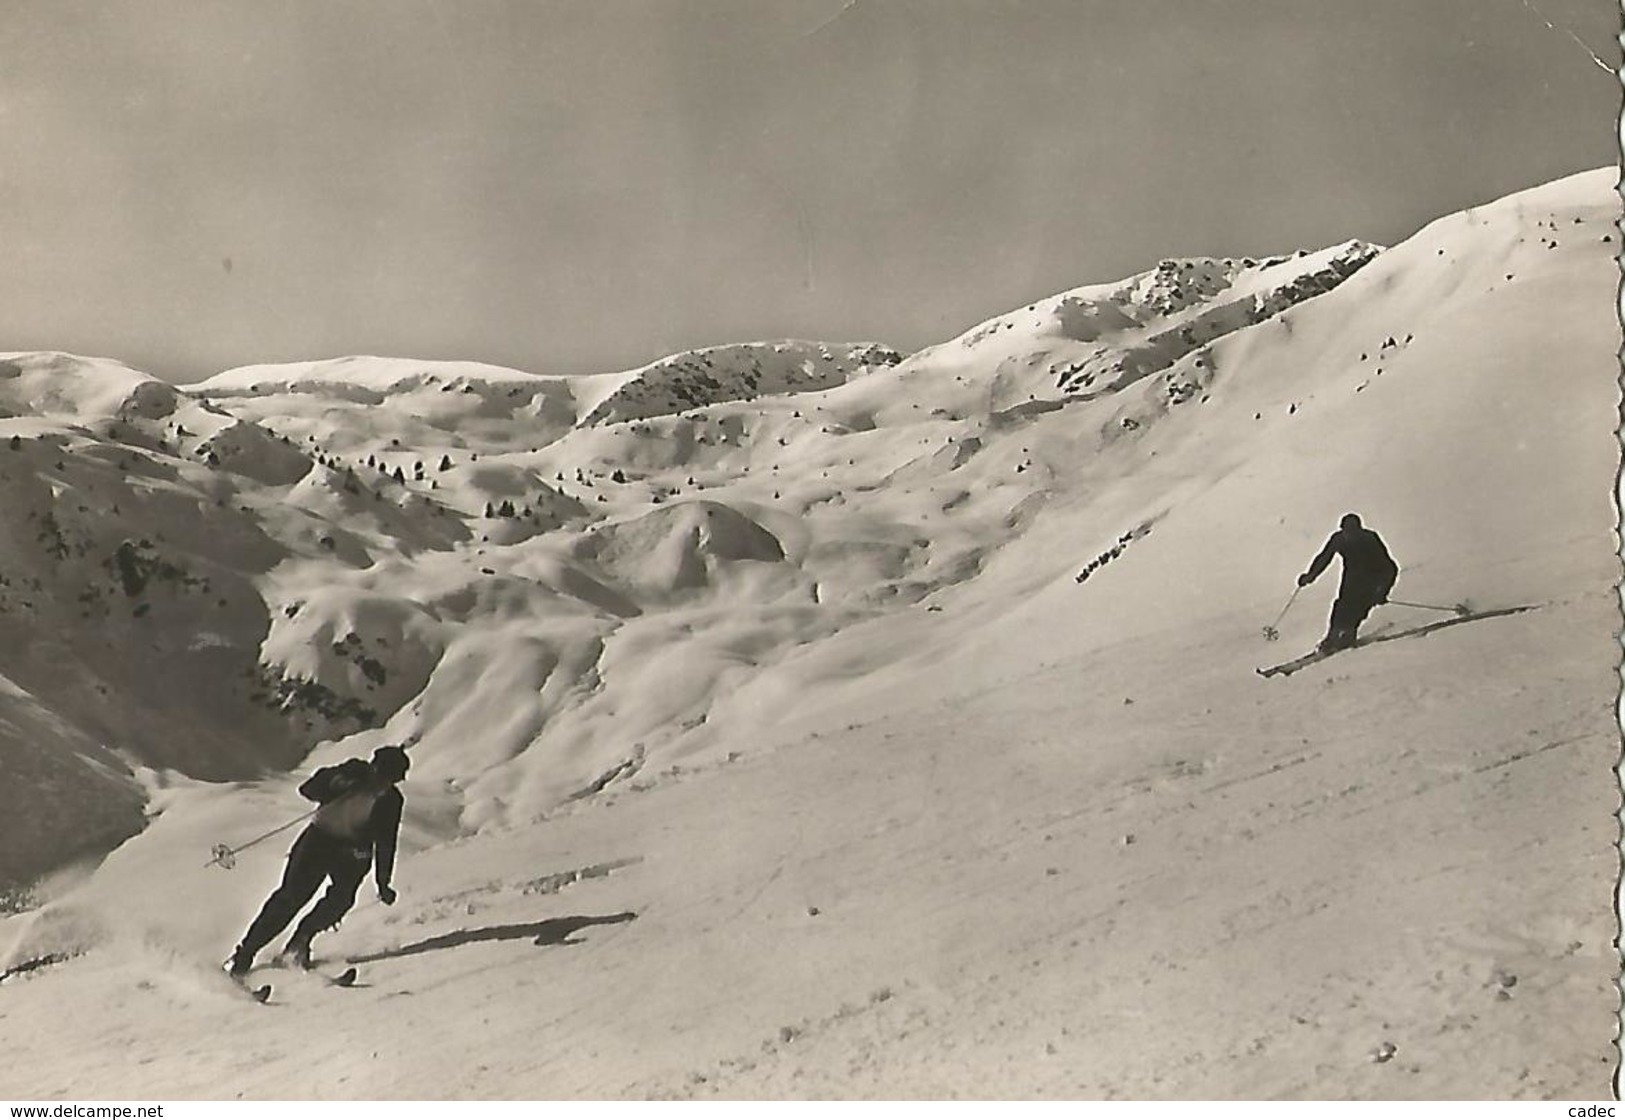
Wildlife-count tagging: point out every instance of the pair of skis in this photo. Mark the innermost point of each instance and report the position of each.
(262, 993)
(1460, 612)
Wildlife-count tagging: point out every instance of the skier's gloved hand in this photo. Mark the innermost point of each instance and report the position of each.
(386, 895)
(1305, 580)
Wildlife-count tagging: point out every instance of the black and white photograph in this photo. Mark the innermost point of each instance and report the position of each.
(809, 550)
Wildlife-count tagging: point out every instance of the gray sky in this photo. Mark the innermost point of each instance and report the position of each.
(585, 185)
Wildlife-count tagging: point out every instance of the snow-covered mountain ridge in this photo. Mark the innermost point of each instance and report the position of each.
(1103, 338)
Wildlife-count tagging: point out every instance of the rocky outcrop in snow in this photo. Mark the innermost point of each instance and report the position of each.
(743, 372)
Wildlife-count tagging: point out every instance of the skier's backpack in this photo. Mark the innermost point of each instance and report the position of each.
(347, 793)
(332, 782)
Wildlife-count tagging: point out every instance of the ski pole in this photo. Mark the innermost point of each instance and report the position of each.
(226, 856)
(1270, 631)
(1460, 608)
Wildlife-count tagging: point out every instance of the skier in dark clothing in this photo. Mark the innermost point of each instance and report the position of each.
(354, 829)
(1368, 576)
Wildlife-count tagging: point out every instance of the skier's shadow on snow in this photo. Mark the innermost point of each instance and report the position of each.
(1458, 620)
(553, 931)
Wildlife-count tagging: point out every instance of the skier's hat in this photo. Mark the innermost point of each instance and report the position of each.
(392, 760)
(1350, 521)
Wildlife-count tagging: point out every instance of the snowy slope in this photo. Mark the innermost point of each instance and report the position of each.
(898, 735)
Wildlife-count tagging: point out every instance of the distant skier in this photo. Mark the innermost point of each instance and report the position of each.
(1368, 576)
(355, 829)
